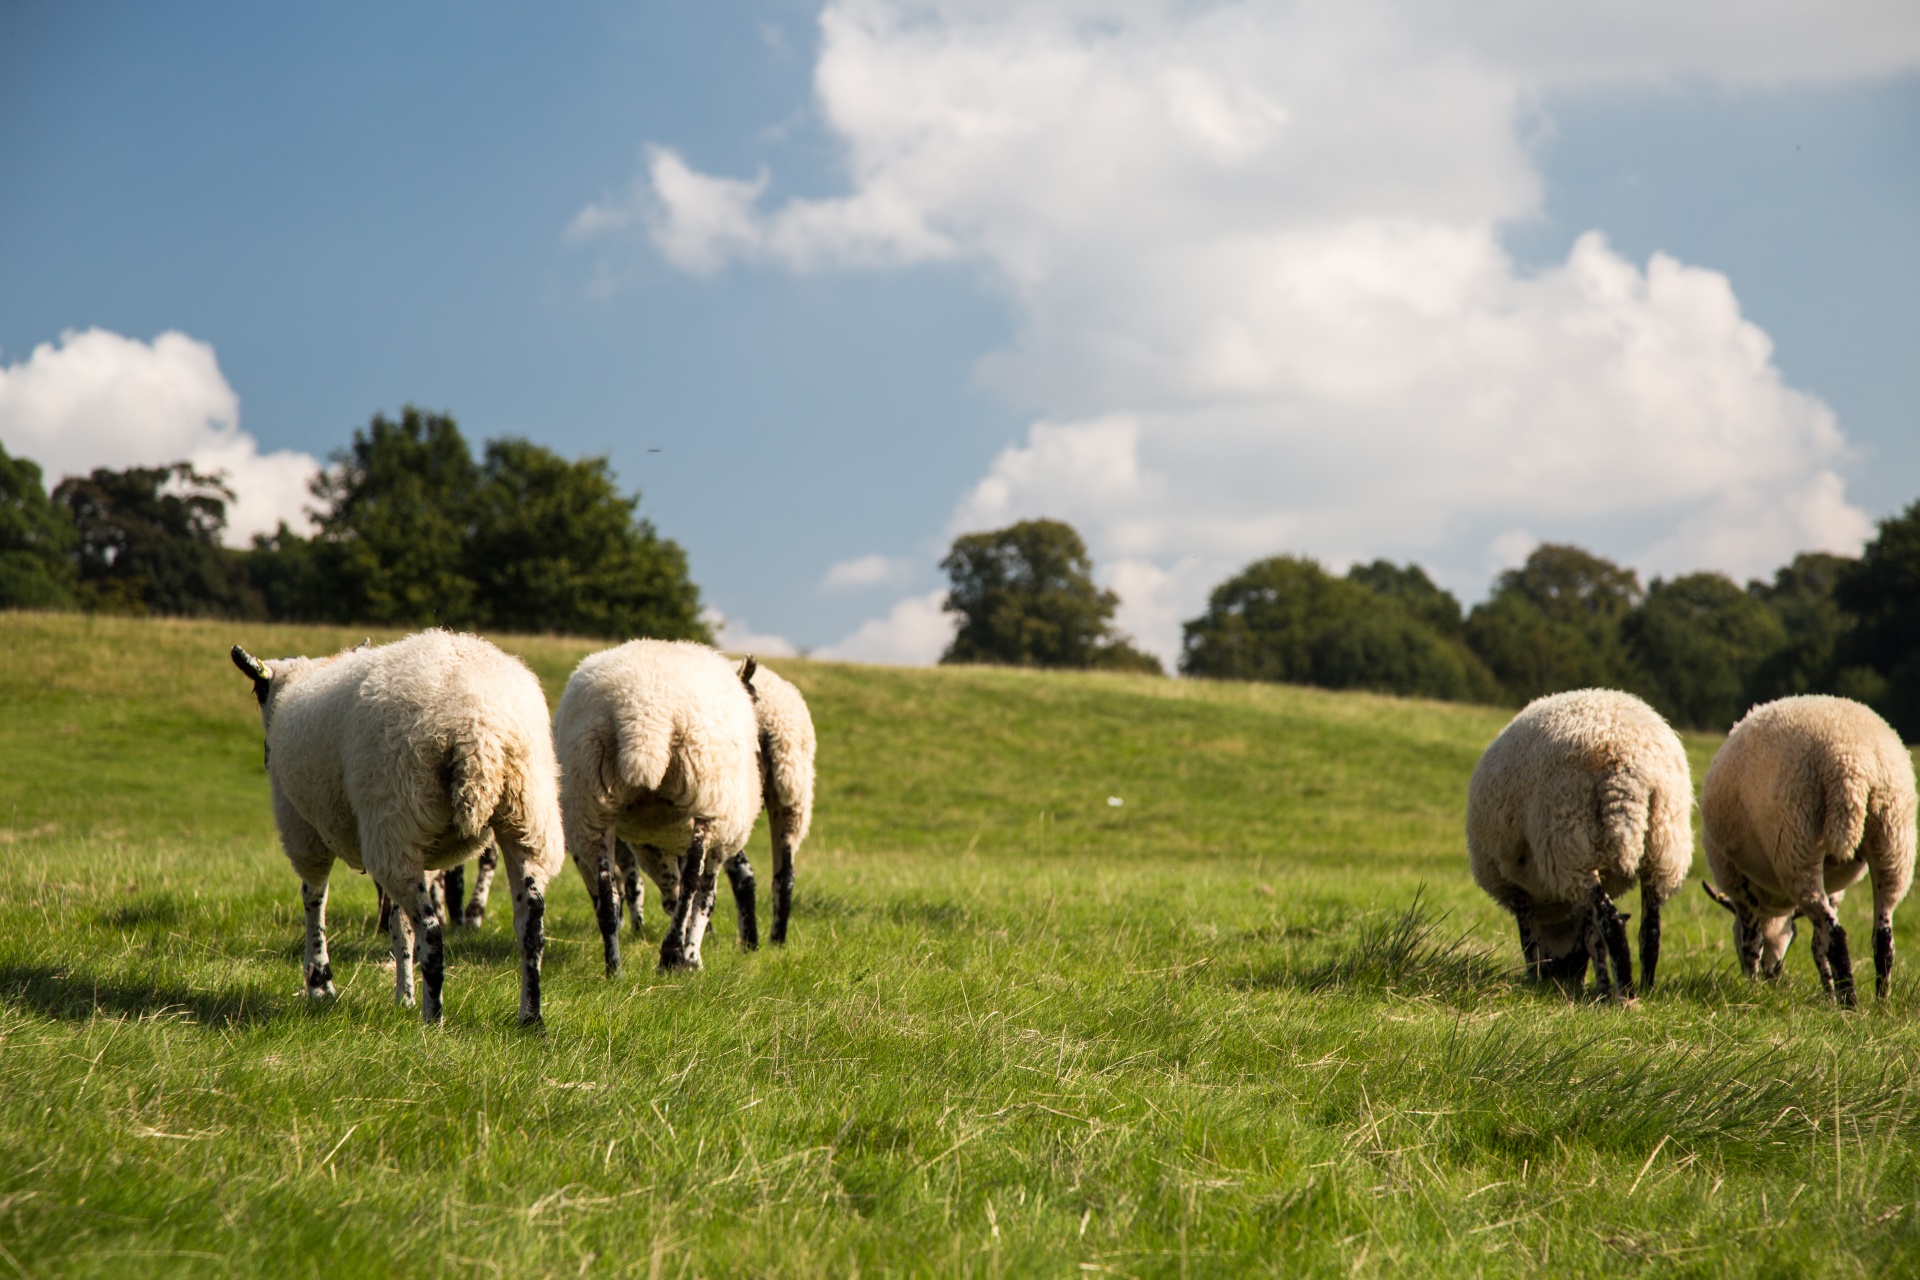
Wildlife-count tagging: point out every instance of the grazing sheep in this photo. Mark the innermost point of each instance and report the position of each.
(1807, 795)
(787, 747)
(657, 746)
(1582, 794)
(403, 760)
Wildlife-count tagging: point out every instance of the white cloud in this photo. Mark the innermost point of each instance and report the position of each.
(735, 636)
(869, 571)
(1255, 255)
(913, 634)
(102, 400)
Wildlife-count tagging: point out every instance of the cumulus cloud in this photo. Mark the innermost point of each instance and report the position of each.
(98, 399)
(913, 634)
(1254, 252)
(869, 571)
(735, 636)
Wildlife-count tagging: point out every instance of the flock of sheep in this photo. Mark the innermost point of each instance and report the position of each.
(1587, 792)
(408, 759)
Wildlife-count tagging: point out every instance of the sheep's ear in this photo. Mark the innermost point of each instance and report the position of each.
(1718, 896)
(364, 644)
(255, 670)
(747, 671)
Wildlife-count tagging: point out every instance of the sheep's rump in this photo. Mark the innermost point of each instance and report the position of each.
(1810, 790)
(787, 748)
(422, 745)
(652, 736)
(1591, 783)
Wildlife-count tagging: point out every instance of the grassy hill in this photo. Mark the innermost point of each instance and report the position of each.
(1252, 1019)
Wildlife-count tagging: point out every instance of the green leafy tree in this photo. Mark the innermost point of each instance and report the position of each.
(1801, 595)
(1881, 656)
(1699, 640)
(1287, 619)
(1554, 623)
(555, 546)
(1025, 597)
(395, 513)
(149, 542)
(36, 540)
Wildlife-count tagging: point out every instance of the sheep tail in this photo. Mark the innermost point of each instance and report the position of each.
(1842, 819)
(477, 775)
(1623, 807)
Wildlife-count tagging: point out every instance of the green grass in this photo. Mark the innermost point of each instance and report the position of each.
(1255, 1020)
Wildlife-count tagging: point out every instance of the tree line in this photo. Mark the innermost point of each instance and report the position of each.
(411, 530)
(1699, 647)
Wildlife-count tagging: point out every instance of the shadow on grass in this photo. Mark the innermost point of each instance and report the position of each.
(147, 911)
(54, 992)
(1405, 953)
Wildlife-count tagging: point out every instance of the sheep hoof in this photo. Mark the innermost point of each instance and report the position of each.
(322, 993)
(531, 1021)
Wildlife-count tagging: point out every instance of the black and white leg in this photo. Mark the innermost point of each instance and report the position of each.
(318, 968)
(1649, 938)
(678, 949)
(1882, 951)
(740, 877)
(782, 888)
(430, 925)
(1830, 953)
(475, 911)
(1605, 933)
(453, 891)
(634, 890)
(400, 933)
(606, 905)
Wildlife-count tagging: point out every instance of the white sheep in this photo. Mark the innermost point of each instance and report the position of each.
(402, 760)
(657, 746)
(787, 749)
(1807, 795)
(1581, 795)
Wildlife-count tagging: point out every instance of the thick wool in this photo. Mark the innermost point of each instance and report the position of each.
(1808, 795)
(1583, 795)
(657, 745)
(405, 759)
(787, 748)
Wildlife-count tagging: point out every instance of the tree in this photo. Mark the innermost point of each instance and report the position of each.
(36, 539)
(394, 518)
(1025, 597)
(149, 542)
(1554, 624)
(556, 547)
(1287, 619)
(1699, 640)
(1801, 595)
(1882, 591)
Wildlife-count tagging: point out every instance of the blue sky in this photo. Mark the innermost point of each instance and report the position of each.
(855, 328)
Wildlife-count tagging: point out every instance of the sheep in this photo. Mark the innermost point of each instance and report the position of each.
(402, 760)
(657, 746)
(1807, 795)
(787, 746)
(1582, 794)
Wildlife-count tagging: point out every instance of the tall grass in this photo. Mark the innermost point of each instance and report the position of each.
(1254, 1020)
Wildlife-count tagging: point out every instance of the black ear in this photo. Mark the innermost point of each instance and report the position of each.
(254, 669)
(747, 671)
(1719, 897)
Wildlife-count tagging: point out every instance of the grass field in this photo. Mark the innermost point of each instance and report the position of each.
(1254, 1020)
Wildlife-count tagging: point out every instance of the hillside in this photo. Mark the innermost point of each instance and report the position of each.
(1255, 1017)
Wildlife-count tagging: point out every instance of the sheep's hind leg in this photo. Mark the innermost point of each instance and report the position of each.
(1882, 952)
(635, 894)
(680, 948)
(318, 968)
(1605, 934)
(429, 923)
(1649, 939)
(483, 868)
(606, 907)
(782, 888)
(453, 889)
(400, 932)
(1830, 954)
(740, 877)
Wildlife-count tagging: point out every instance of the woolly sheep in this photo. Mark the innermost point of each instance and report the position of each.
(1582, 794)
(787, 748)
(402, 760)
(657, 748)
(1807, 795)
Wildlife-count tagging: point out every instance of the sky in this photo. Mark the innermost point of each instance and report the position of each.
(1429, 281)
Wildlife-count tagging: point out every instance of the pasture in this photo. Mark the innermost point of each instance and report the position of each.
(1254, 1019)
